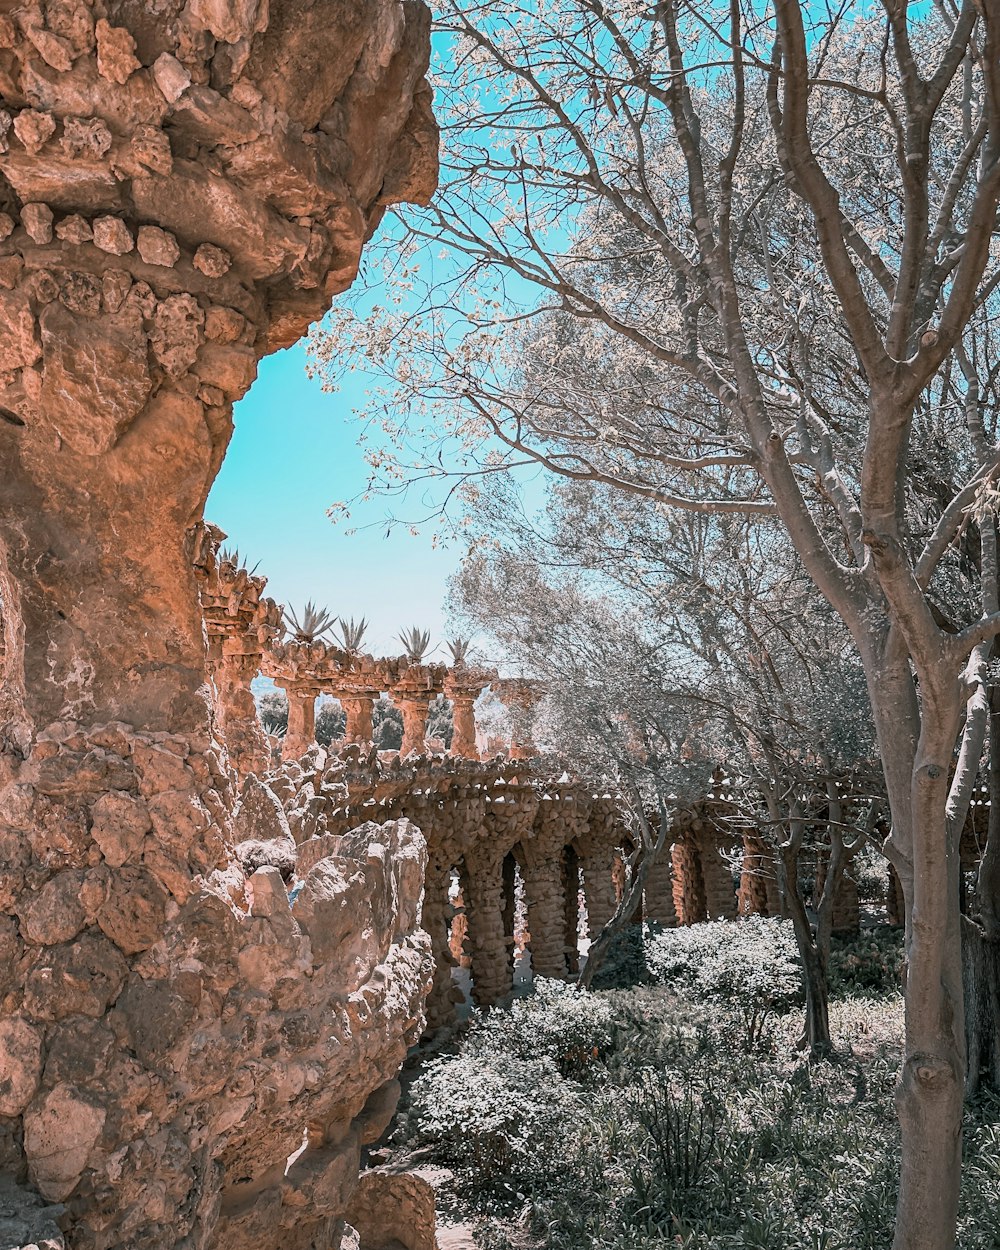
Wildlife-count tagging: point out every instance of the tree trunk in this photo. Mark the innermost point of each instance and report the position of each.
(981, 939)
(916, 745)
(981, 984)
(929, 1093)
(816, 1033)
(628, 903)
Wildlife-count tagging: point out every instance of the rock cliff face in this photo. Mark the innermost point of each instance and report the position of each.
(183, 187)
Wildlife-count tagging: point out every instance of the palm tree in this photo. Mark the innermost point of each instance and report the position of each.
(314, 622)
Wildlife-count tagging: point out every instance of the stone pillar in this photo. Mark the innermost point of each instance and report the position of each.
(543, 889)
(599, 888)
(571, 896)
(846, 907)
(415, 712)
(463, 713)
(659, 891)
(720, 897)
(689, 883)
(246, 741)
(846, 904)
(301, 732)
(358, 710)
(758, 887)
(520, 696)
(181, 192)
(440, 1008)
(492, 969)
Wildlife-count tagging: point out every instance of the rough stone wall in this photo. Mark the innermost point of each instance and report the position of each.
(183, 188)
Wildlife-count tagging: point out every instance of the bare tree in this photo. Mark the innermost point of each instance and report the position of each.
(787, 215)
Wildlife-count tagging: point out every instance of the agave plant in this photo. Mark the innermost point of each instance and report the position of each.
(350, 633)
(415, 643)
(313, 624)
(233, 556)
(459, 648)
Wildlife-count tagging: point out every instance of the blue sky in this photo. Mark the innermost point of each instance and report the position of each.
(294, 454)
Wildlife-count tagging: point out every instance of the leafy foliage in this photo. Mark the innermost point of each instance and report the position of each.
(233, 555)
(272, 708)
(459, 649)
(751, 966)
(867, 965)
(331, 723)
(667, 1137)
(440, 725)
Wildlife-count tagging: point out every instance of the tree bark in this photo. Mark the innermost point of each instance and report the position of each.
(816, 1033)
(629, 902)
(929, 1093)
(981, 939)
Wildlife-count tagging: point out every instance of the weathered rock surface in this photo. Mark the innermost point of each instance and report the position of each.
(183, 188)
(392, 1209)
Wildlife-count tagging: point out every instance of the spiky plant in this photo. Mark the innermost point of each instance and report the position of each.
(350, 633)
(313, 623)
(415, 643)
(233, 556)
(459, 648)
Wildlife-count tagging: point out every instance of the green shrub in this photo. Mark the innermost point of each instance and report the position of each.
(500, 1119)
(331, 723)
(870, 870)
(624, 962)
(569, 1026)
(750, 966)
(869, 964)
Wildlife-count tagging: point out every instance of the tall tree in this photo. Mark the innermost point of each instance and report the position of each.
(785, 215)
(702, 638)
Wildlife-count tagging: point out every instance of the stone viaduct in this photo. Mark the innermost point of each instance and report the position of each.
(491, 825)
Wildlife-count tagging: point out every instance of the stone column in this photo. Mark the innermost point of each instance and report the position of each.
(440, 1008)
(689, 884)
(758, 888)
(301, 732)
(358, 710)
(846, 904)
(246, 742)
(846, 907)
(543, 890)
(659, 891)
(720, 897)
(415, 712)
(520, 696)
(463, 713)
(571, 896)
(492, 969)
(599, 888)
(181, 191)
